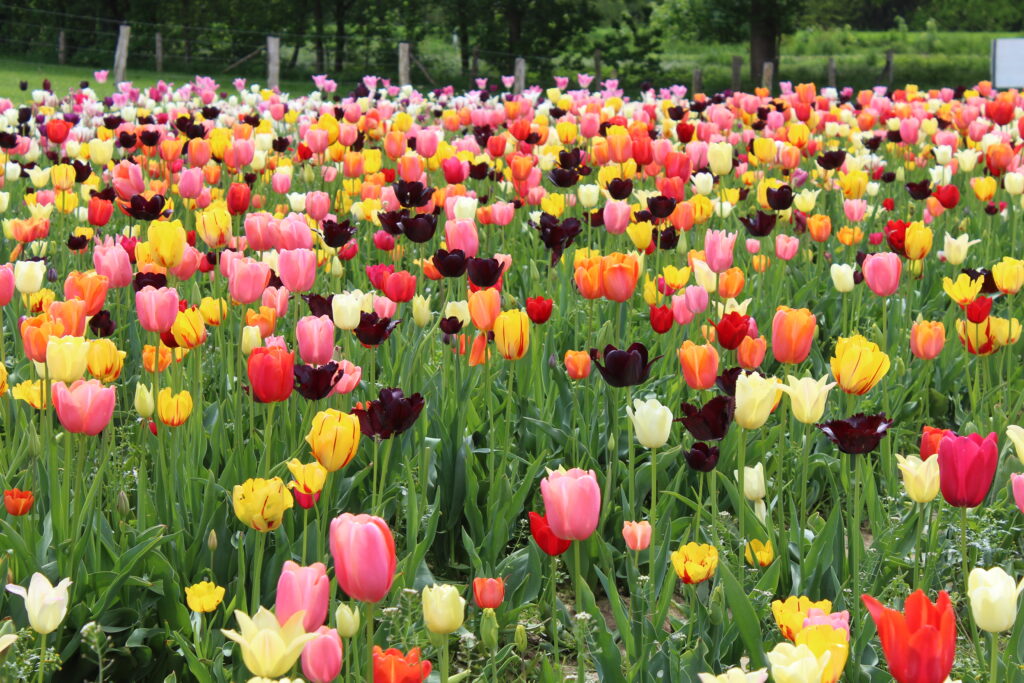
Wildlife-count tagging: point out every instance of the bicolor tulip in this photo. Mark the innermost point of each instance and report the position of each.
(364, 556)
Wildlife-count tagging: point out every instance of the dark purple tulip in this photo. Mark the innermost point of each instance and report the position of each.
(557, 236)
(412, 195)
(483, 272)
(830, 161)
(726, 381)
(450, 263)
(760, 224)
(373, 330)
(143, 280)
(450, 325)
(319, 305)
(920, 191)
(661, 206)
(780, 198)
(315, 382)
(709, 422)
(702, 457)
(419, 228)
(101, 324)
(620, 189)
(390, 414)
(857, 434)
(624, 368)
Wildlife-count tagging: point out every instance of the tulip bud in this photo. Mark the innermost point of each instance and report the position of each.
(211, 540)
(251, 339)
(420, 310)
(489, 629)
(520, 637)
(347, 620)
(144, 404)
(124, 507)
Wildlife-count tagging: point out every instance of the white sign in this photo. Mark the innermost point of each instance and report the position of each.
(1008, 62)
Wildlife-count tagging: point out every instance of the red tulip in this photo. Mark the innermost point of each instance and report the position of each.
(18, 502)
(542, 534)
(271, 373)
(967, 465)
(57, 130)
(238, 198)
(731, 330)
(931, 437)
(661, 319)
(948, 195)
(391, 666)
(920, 642)
(488, 593)
(539, 309)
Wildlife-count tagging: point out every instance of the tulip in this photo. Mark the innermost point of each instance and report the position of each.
(28, 276)
(993, 595)
(1008, 275)
(858, 364)
(842, 277)
(488, 593)
(443, 609)
(173, 409)
(113, 262)
(364, 556)
(45, 603)
(791, 614)
(882, 272)
(297, 269)
(157, 308)
(735, 675)
(322, 656)
(261, 503)
(189, 329)
(954, 250)
(797, 664)
(347, 620)
(484, 309)
(699, 364)
(967, 466)
(750, 353)
(759, 554)
(303, 589)
(271, 375)
(67, 358)
(792, 333)
(577, 364)
(637, 535)
(920, 642)
(695, 563)
(927, 339)
(755, 399)
(652, 422)
(143, 402)
(85, 407)
(572, 500)
(269, 648)
(624, 368)
(858, 433)
(807, 397)
(391, 666)
(1016, 436)
(204, 596)
(167, 242)
(920, 477)
(18, 502)
(315, 336)
(512, 334)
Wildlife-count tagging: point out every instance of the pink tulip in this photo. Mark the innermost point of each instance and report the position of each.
(348, 377)
(616, 216)
(189, 263)
(502, 213)
(276, 298)
(680, 311)
(317, 205)
(6, 284)
(572, 501)
(718, 246)
(156, 308)
(316, 339)
(786, 246)
(113, 262)
(696, 298)
(462, 234)
(364, 556)
(85, 407)
(426, 144)
(855, 209)
(281, 183)
(190, 183)
(637, 535)
(293, 233)
(261, 231)
(1017, 482)
(882, 272)
(240, 153)
(967, 466)
(247, 280)
(322, 656)
(303, 589)
(317, 140)
(297, 269)
(753, 245)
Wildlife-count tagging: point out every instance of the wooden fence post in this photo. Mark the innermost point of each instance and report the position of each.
(597, 65)
(737, 72)
(158, 51)
(403, 64)
(61, 52)
(768, 75)
(887, 72)
(698, 81)
(273, 62)
(832, 72)
(124, 33)
(474, 64)
(520, 76)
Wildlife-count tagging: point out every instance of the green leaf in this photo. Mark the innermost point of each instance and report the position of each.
(743, 616)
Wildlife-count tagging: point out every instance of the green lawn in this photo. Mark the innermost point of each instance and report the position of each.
(62, 78)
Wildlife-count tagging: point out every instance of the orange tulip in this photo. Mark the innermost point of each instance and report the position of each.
(478, 353)
(265, 319)
(588, 278)
(577, 364)
(619, 275)
(699, 363)
(819, 226)
(484, 307)
(731, 283)
(36, 333)
(71, 314)
(750, 352)
(760, 262)
(927, 339)
(149, 357)
(90, 287)
(792, 334)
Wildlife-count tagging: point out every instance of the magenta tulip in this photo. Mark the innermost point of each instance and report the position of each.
(156, 308)
(297, 269)
(303, 589)
(967, 466)
(572, 501)
(6, 284)
(322, 656)
(882, 272)
(85, 407)
(316, 339)
(364, 556)
(1017, 483)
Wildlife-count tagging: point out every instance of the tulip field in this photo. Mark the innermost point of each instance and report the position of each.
(381, 384)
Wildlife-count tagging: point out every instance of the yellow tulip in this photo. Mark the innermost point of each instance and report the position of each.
(963, 290)
(807, 397)
(173, 409)
(261, 503)
(31, 392)
(213, 310)
(334, 438)
(214, 226)
(67, 358)
(204, 596)
(755, 398)
(920, 477)
(512, 334)
(858, 364)
(822, 640)
(105, 361)
(189, 328)
(1009, 275)
(269, 648)
(695, 562)
(443, 609)
(167, 241)
(759, 554)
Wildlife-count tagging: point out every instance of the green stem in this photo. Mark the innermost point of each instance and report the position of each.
(369, 641)
(654, 524)
(554, 610)
(42, 658)
(963, 543)
(740, 470)
(305, 526)
(444, 659)
(994, 667)
(805, 456)
(257, 576)
(922, 511)
(578, 579)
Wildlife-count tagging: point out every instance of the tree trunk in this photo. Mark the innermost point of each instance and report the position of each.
(764, 43)
(463, 38)
(514, 18)
(318, 27)
(340, 9)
